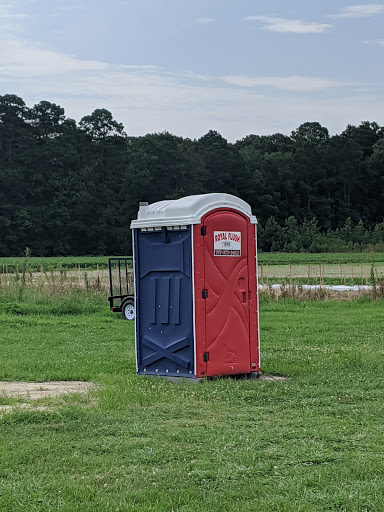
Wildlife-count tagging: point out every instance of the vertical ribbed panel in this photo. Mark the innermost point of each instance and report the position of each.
(152, 298)
(164, 300)
(176, 300)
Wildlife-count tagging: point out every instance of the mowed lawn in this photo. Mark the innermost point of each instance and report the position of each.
(313, 442)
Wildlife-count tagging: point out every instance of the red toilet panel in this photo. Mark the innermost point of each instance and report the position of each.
(226, 319)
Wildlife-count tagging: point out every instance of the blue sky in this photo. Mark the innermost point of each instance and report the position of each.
(235, 66)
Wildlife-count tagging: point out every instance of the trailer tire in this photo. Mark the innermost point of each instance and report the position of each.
(128, 309)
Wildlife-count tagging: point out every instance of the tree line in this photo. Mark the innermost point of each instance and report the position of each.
(70, 188)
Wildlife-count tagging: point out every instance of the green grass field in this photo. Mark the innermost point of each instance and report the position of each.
(320, 258)
(310, 443)
(65, 262)
(94, 262)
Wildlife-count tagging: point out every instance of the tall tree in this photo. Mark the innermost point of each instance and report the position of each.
(310, 141)
(100, 125)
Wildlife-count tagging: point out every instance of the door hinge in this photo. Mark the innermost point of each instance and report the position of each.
(203, 231)
(205, 357)
(204, 294)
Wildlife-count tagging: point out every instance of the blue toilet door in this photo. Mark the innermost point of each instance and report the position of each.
(164, 309)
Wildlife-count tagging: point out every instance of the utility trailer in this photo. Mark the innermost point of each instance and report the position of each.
(122, 297)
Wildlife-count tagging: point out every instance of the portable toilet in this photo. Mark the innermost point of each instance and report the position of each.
(195, 270)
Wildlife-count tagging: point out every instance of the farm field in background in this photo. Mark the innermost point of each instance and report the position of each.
(311, 442)
(351, 274)
(93, 262)
(36, 264)
(356, 269)
(322, 258)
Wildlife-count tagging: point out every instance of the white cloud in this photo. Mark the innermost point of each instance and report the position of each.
(6, 12)
(379, 42)
(134, 66)
(70, 7)
(293, 26)
(359, 11)
(148, 99)
(22, 59)
(9, 20)
(203, 21)
(10, 28)
(290, 83)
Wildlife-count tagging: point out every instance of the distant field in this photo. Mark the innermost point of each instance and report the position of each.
(320, 258)
(69, 262)
(94, 262)
(347, 274)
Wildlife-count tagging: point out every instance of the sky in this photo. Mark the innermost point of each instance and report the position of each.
(239, 67)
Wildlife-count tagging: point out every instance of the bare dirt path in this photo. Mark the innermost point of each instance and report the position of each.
(36, 390)
(314, 271)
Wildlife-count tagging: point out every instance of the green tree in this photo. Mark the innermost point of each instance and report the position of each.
(308, 160)
(47, 119)
(100, 125)
(271, 238)
(366, 135)
(224, 167)
(291, 235)
(310, 235)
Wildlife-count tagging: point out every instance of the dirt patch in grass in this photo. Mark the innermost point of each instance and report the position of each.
(36, 390)
(273, 378)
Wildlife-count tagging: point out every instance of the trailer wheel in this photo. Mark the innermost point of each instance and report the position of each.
(128, 309)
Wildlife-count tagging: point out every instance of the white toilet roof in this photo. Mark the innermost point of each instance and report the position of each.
(187, 210)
